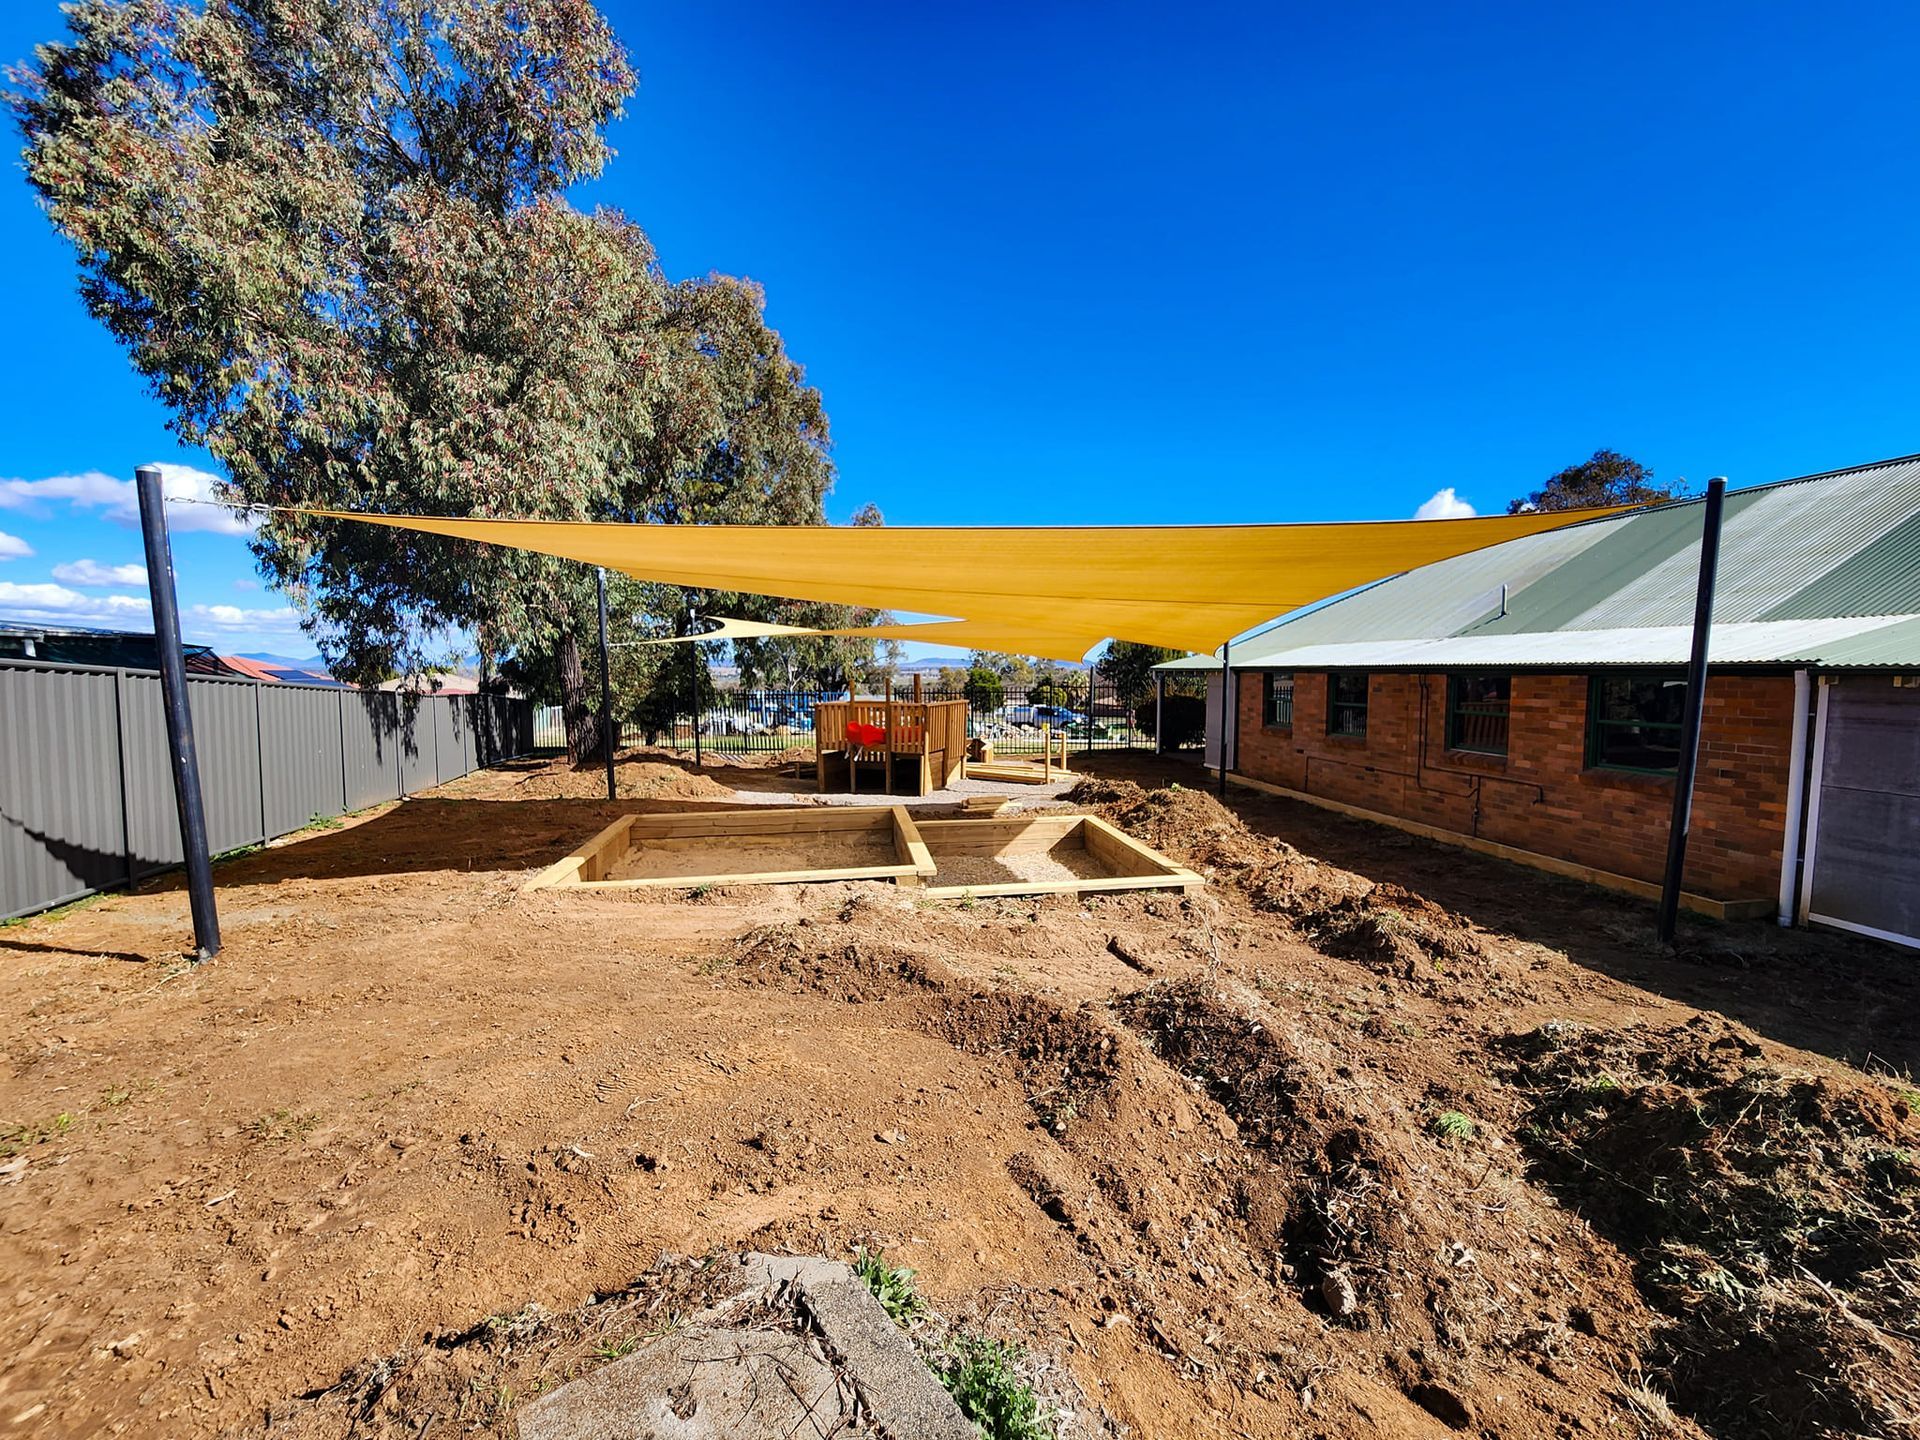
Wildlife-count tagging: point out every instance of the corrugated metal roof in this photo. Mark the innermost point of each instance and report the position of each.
(1839, 546)
(1779, 542)
(1878, 578)
(1894, 647)
(1804, 642)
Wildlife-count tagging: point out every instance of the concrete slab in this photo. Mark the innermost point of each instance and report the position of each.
(699, 1384)
(795, 1347)
(901, 1394)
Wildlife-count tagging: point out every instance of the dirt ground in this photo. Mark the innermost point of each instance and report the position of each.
(1370, 1138)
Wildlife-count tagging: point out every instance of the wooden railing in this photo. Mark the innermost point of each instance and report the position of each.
(910, 728)
(933, 731)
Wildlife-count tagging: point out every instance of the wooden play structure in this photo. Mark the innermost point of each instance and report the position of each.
(893, 747)
(1048, 854)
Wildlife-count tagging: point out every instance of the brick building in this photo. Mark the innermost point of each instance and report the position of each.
(1526, 700)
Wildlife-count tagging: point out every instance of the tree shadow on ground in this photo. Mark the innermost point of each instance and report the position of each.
(27, 947)
(428, 834)
(1853, 999)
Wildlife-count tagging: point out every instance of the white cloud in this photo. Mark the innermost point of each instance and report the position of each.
(88, 490)
(53, 605)
(111, 577)
(1445, 505)
(56, 604)
(12, 547)
(243, 584)
(232, 620)
(94, 490)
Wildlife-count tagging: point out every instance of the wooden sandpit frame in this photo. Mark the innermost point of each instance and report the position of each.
(715, 848)
(728, 835)
(1126, 863)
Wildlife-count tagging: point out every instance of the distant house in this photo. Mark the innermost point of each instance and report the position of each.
(110, 649)
(252, 669)
(1527, 699)
(439, 682)
(278, 674)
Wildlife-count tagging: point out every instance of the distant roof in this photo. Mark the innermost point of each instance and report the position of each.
(280, 674)
(252, 669)
(80, 645)
(1822, 570)
(438, 682)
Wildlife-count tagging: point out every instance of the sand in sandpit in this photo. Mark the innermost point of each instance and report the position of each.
(1063, 862)
(755, 855)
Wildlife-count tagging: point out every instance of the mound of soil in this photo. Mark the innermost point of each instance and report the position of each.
(1386, 927)
(1774, 1214)
(1248, 1202)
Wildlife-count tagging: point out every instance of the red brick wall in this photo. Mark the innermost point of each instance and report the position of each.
(1541, 796)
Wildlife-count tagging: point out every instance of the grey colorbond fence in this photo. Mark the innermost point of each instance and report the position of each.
(86, 794)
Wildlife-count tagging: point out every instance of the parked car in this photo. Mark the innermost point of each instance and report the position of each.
(1058, 716)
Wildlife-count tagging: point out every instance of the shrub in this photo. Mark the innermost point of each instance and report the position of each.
(1185, 716)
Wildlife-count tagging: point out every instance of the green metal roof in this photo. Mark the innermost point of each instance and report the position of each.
(1825, 547)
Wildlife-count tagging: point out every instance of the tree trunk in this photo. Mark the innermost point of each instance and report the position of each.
(576, 707)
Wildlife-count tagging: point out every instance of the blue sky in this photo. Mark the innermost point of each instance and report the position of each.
(1129, 263)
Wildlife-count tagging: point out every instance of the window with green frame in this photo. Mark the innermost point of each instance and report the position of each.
(1477, 707)
(1633, 722)
(1347, 704)
(1276, 701)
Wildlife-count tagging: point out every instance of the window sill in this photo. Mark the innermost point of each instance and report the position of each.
(1286, 730)
(1346, 739)
(1492, 759)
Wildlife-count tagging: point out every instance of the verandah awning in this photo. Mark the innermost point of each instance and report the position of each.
(1052, 591)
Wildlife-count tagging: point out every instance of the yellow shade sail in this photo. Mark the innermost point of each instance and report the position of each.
(731, 627)
(1054, 591)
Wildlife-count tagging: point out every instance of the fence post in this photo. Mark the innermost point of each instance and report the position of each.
(1159, 713)
(260, 758)
(173, 687)
(120, 754)
(344, 792)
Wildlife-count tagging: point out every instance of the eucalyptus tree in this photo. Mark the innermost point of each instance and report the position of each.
(334, 236)
(1605, 478)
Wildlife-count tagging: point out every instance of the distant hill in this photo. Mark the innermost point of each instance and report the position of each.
(931, 664)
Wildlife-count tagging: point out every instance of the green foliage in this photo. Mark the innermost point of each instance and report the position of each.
(1185, 717)
(334, 236)
(1606, 478)
(984, 1379)
(891, 1286)
(985, 689)
(1054, 686)
(982, 1375)
(1129, 668)
(1016, 672)
(1452, 1125)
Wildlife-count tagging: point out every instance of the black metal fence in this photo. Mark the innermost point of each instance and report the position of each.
(1017, 721)
(86, 792)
